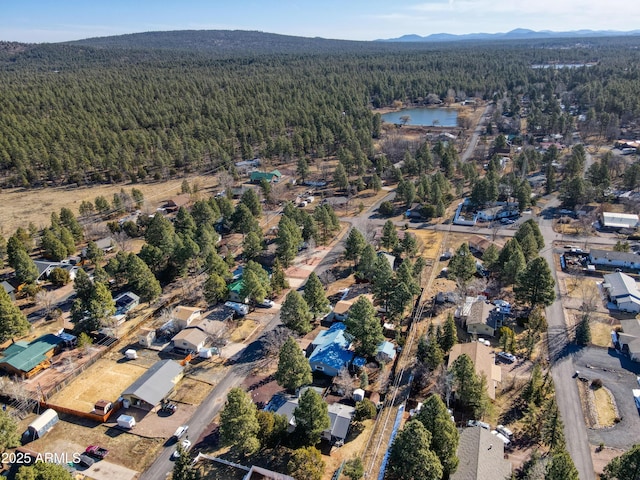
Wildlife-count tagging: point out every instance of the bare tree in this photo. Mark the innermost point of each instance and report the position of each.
(344, 382)
(45, 299)
(123, 241)
(443, 383)
(225, 180)
(273, 340)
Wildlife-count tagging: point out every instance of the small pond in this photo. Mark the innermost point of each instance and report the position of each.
(425, 117)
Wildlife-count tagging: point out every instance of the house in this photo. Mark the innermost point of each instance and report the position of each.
(154, 385)
(341, 310)
(622, 290)
(628, 341)
(9, 289)
(497, 211)
(481, 456)
(105, 244)
(389, 258)
(174, 204)
(483, 361)
(191, 339)
(340, 417)
(273, 176)
(385, 352)
(146, 336)
(126, 302)
(480, 243)
(331, 350)
(480, 317)
(183, 316)
(610, 258)
(619, 220)
(28, 359)
(248, 163)
(235, 292)
(45, 268)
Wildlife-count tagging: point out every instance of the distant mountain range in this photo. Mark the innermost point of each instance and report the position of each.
(517, 34)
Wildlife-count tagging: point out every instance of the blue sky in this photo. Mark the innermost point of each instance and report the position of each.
(60, 20)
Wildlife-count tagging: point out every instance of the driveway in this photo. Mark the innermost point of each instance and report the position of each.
(618, 374)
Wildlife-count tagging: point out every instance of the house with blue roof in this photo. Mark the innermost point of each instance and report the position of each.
(28, 359)
(331, 350)
(385, 352)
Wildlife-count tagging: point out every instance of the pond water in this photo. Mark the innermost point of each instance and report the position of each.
(426, 117)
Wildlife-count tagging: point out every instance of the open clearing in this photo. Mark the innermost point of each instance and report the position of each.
(242, 332)
(104, 380)
(431, 241)
(191, 391)
(37, 205)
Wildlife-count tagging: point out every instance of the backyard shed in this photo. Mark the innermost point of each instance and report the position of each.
(126, 421)
(41, 425)
(102, 407)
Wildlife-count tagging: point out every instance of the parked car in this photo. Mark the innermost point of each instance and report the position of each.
(186, 445)
(86, 460)
(502, 437)
(180, 431)
(266, 303)
(507, 357)
(504, 431)
(169, 408)
(478, 423)
(96, 452)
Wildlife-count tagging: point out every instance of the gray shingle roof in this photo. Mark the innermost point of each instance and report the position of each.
(154, 384)
(481, 456)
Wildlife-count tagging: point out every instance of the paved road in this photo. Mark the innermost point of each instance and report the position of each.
(473, 141)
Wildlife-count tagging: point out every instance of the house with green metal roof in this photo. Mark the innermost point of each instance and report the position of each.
(28, 359)
(235, 292)
(273, 176)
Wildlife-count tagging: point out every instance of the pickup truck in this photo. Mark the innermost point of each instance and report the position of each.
(96, 451)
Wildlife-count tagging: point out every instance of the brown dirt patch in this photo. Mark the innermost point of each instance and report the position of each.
(37, 205)
(104, 380)
(602, 457)
(191, 391)
(126, 449)
(601, 327)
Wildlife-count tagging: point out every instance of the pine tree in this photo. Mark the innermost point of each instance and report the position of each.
(354, 246)
(535, 285)
(251, 200)
(561, 467)
(13, 323)
(25, 269)
(238, 422)
(444, 434)
(306, 464)
(364, 326)
(295, 314)
(624, 467)
(315, 296)
(294, 370)
(340, 178)
(389, 237)
(215, 289)
(583, 331)
(462, 265)
(411, 456)
(312, 417)
(449, 335)
(278, 280)
(141, 279)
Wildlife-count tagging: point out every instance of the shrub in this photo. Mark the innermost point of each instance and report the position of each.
(386, 209)
(365, 410)
(596, 384)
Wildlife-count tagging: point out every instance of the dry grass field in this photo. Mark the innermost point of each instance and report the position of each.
(191, 391)
(37, 205)
(104, 380)
(431, 241)
(243, 330)
(604, 407)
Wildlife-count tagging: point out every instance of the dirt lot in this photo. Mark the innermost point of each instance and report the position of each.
(73, 435)
(191, 391)
(104, 380)
(431, 241)
(37, 205)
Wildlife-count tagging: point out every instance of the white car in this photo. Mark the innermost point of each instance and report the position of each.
(180, 431)
(504, 439)
(478, 423)
(504, 431)
(507, 357)
(266, 303)
(240, 308)
(186, 445)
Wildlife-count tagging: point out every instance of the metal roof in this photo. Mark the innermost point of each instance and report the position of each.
(25, 357)
(154, 384)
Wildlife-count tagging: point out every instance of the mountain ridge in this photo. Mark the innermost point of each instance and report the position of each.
(515, 34)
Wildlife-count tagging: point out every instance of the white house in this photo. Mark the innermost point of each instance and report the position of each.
(497, 211)
(183, 316)
(622, 290)
(615, 259)
(192, 339)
